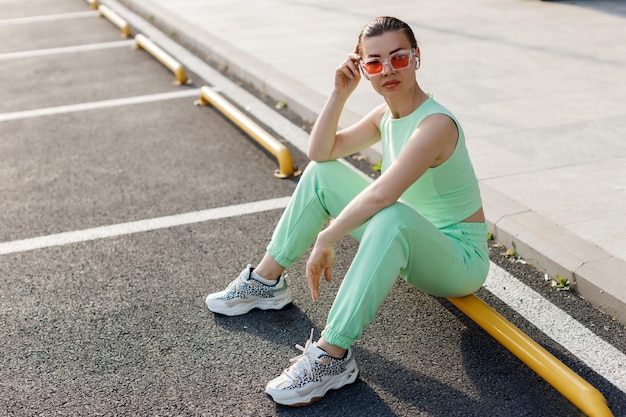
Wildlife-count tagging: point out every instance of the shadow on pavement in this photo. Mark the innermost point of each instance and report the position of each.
(386, 386)
(506, 371)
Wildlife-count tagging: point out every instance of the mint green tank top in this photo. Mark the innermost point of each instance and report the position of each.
(446, 194)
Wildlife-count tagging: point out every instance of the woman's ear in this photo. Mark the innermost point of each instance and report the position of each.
(417, 58)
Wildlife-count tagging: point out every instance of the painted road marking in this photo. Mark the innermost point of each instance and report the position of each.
(141, 226)
(48, 18)
(35, 53)
(600, 356)
(96, 105)
(597, 354)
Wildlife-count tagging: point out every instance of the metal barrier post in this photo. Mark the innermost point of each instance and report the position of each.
(567, 382)
(179, 72)
(115, 19)
(273, 146)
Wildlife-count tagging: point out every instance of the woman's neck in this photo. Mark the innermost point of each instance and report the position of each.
(403, 105)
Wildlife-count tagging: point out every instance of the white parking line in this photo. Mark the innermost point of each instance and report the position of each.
(48, 18)
(597, 354)
(95, 105)
(141, 226)
(35, 53)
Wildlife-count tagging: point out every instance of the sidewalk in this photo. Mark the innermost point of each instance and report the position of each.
(540, 88)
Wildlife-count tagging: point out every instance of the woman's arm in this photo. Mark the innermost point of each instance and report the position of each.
(348, 141)
(325, 143)
(430, 145)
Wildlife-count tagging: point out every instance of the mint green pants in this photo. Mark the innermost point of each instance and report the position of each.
(397, 241)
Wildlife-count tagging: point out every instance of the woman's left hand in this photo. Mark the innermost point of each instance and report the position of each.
(320, 262)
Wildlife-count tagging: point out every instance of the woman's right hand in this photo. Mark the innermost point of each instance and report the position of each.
(347, 74)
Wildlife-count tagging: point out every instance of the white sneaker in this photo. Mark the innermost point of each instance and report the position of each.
(245, 293)
(313, 373)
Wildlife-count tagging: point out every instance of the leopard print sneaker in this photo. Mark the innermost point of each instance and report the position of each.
(245, 293)
(311, 376)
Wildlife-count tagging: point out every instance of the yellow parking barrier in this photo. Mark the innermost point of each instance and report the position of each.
(93, 3)
(179, 72)
(115, 19)
(272, 145)
(567, 382)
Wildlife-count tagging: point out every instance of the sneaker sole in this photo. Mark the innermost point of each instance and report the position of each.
(243, 308)
(349, 377)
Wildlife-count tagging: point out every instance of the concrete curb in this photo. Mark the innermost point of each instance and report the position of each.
(551, 248)
(557, 251)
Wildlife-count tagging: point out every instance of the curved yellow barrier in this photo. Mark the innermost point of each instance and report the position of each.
(273, 146)
(563, 379)
(179, 72)
(115, 19)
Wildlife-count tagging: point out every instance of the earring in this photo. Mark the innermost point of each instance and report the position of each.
(417, 62)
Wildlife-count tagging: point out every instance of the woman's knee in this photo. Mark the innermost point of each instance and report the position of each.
(325, 168)
(395, 216)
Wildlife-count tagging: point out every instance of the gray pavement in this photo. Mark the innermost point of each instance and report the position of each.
(539, 87)
(117, 326)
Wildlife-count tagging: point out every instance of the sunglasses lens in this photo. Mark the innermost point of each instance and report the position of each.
(400, 60)
(373, 66)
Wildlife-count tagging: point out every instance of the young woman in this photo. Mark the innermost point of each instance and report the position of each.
(422, 219)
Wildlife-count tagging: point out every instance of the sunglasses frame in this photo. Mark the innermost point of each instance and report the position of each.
(410, 52)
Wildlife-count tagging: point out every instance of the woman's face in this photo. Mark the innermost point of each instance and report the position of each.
(380, 48)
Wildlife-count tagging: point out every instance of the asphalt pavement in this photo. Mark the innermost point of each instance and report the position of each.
(538, 86)
(123, 204)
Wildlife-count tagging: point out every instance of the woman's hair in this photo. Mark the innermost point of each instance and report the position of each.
(382, 24)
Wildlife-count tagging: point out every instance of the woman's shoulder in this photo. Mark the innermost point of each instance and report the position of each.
(432, 106)
(377, 113)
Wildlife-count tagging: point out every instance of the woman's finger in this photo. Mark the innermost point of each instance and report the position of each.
(328, 274)
(347, 71)
(313, 279)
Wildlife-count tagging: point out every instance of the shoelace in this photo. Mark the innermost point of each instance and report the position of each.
(240, 282)
(307, 359)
